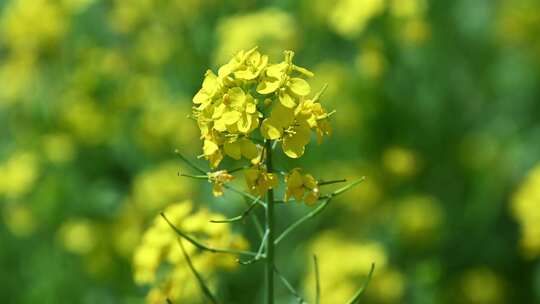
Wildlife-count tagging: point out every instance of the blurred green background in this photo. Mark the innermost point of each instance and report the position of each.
(438, 105)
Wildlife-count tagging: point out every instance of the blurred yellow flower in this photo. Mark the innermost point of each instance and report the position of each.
(341, 278)
(371, 62)
(154, 45)
(32, 24)
(407, 8)
(18, 174)
(271, 29)
(19, 219)
(524, 207)
(58, 147)
(400, 161)
(159, 246)
(17, 72)
(482, 286)
(85, 119)
(156, 187)
(518, 23)
(78, 236)
(419, 217)
(349, 18)
(388, 286)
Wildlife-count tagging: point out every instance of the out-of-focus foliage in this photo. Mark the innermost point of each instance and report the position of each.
(437, 105)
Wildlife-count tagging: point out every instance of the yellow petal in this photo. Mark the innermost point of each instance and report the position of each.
(237, 97)
(311, 198)
(215, 159)
(249, 149)
(287, 100)
(220, 125)
(294, 145)
(244, 123)
(299, 86)
(251, 175)
(218, 111)
(217, 189)
(269, 130)
(282, 116)
(200, 97)
(298, 193)
(233, 150)
(210, 83)
(209, 147)
(277, 70)
(231, 117)
(309, 181)
(294, 180)
(251, 108)
(268, 86)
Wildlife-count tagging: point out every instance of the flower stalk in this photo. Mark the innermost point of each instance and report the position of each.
(270, 246)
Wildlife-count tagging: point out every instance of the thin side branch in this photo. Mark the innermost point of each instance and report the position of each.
(300, 221)
(317, 210)
(260, 254)
(200, 280)
(190, 163)
(205, 177)
(289, 286)
(237, 218)
(361, 291)
(202, 246)
(330, 182)
(253, 198)
(317, 281)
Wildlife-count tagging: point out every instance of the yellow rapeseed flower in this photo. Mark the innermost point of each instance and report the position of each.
(259, 181)
(303, 187)
(218, 179)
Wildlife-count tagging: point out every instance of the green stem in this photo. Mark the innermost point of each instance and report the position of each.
(270, 230)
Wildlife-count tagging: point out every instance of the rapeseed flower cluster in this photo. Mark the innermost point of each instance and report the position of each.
(251, 100)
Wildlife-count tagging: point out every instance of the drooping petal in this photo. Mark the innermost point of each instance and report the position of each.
(292, 147)
(233, 150)
(299, 86)
(294, 179)
(268, 86)
(210, 83)
(249, 149)
(277, 70)
(282, 115)
(231, 117)
(245, 122)
(270, 129)
(209, 147)
(287, 100)
(236, 96)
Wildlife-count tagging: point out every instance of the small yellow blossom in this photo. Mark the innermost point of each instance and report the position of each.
(218, 179)
(278, 79)
(303, 187)
(259, 181)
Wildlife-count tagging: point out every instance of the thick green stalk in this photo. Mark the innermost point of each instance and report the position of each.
(270, 230)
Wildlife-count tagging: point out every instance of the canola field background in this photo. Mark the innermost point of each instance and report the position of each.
(437, 104)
